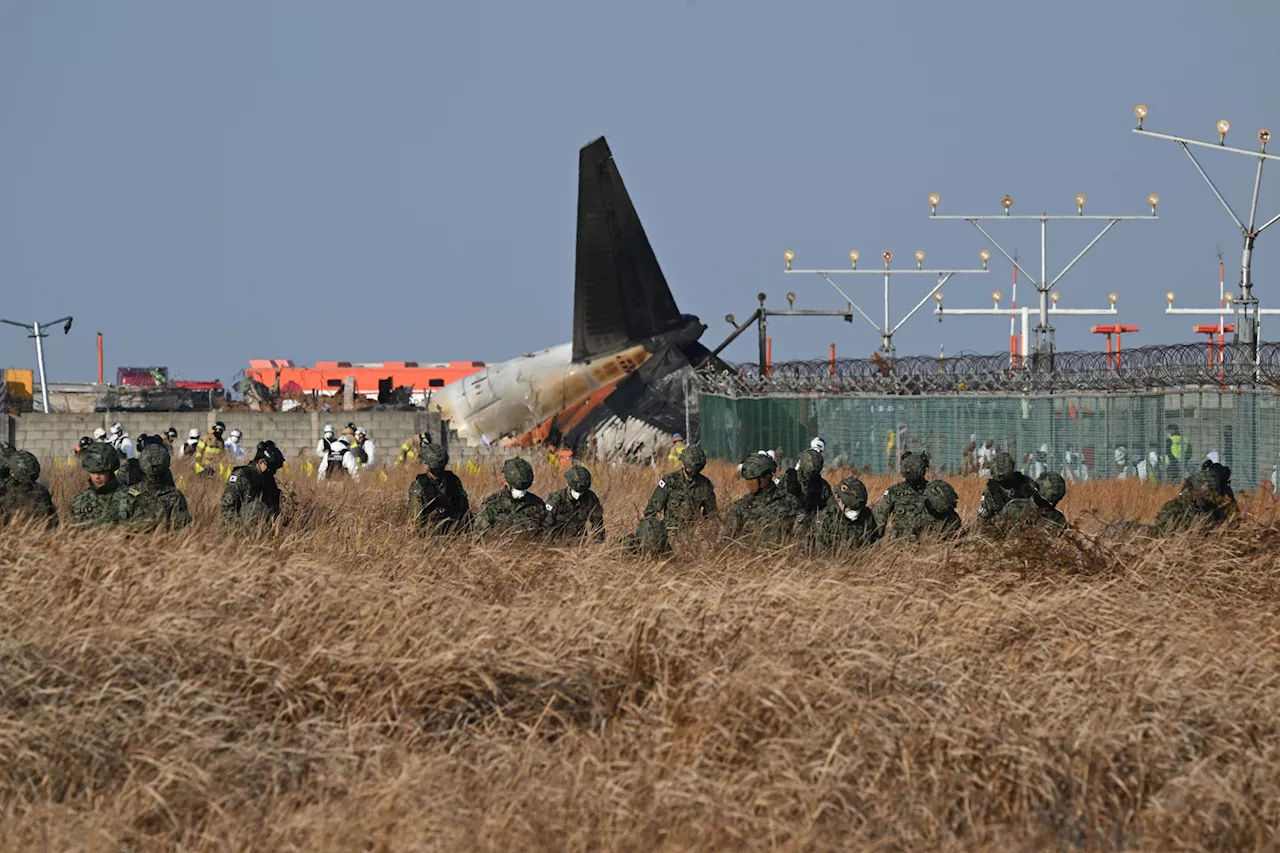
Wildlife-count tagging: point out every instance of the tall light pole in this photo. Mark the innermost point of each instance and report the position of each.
(1015, 359)
(1044, 344)
(886, 331)
(1247, 327)
(36, 330)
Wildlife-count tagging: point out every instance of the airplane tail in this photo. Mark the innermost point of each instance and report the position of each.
(619, 293)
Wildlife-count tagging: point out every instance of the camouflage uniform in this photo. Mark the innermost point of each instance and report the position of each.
(154, 504)
(97, 506)
(513, 510)
(1223, 476)
(23, 496)
(836, 531)
(6, 451)
(1051, 488)
(806, 485)
(574, 518)
(650, 537)
(940, 506)
(904, 502)
(685, 495)
(437, 501)
(1199, 504)
(1009, 499)
(769, 512)
(252, 495)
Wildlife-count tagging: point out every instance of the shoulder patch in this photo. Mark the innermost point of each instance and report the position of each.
(662, 484)
(886, 494)
(232, 478)
(550, 508)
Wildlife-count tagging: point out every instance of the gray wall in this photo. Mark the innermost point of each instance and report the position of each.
(52, 436)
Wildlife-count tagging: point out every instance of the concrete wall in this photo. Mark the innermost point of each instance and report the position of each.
(52, 436)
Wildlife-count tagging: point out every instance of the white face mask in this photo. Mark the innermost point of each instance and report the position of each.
(851, 514)
(518, 493)
(575, 495)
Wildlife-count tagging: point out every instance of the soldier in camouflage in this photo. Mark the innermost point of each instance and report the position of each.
(23, 497)
(1199, 505)
(252, 495)
(845, 524)
(650, 538)
(942, 522)
(766, 511)
(514, 510)
(1051, 488)
(437, 501)
(1009, 499)
(575, 512)
(154, 504)
(686, 495)
(903, 503)
(806, 485)
(96, 505)
(1223, 476)
(6, 451)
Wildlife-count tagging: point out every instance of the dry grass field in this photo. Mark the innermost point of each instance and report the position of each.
(346, 686)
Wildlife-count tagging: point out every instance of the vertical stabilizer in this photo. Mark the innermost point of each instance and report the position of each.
(620, 295)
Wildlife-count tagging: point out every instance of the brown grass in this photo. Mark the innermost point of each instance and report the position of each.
(346, 686)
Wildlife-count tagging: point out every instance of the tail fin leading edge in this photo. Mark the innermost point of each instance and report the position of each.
(620, 295)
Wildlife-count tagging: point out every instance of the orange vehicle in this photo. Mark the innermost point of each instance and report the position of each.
(327, 377)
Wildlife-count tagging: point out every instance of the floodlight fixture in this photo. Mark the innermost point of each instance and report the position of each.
(996, 296)
(1153, 200)
(934, 198)
(1112, 297)
(789, 256)
(919, 258)
(791, 299)
(1006, 203)
(1140, 112)
(1264, 136)
(1081, 198)
(985, 255)
(1054, 297)
(1169, 296)
(853, 258)
(887, 255)
(1223, 127)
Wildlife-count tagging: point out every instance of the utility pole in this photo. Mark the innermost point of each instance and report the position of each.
(886, 330)
(1248, 323)
(1043, 349)
(36, 330)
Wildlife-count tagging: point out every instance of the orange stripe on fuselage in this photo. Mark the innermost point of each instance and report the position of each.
(567, 418)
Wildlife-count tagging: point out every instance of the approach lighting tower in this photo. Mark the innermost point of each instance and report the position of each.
(1042, 351)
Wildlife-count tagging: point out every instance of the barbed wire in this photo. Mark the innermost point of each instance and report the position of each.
(1138, 369)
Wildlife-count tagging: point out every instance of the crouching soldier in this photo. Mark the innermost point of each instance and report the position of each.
(437, 501)
(767, 511)
(514, 510)
(155, 503)
(96, 505)
(845, 523)
(23, 496)
(252, 495)
(575, 512)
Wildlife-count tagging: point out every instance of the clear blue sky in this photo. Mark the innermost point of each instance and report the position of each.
(211, 182)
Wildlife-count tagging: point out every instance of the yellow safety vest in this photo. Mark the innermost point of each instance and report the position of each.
(1176, 447)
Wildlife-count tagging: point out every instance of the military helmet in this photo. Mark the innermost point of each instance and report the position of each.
(914, 464)
(518, 473)
(435, 457)
(1002, 466)
(1052, 487)
(154, 460)
(940, 497)
(1220, 472)
(758, 465)
(694, 459)
(269, 453)
(810, 463)
(1203, 480)
(84, 442)
(24, 467)
(852, 493)
(578, 478)
(100, 458)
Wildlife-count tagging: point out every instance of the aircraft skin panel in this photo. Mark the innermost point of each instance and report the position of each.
(510, 398)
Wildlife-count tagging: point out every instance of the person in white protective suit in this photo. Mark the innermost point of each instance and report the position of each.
(339, 462)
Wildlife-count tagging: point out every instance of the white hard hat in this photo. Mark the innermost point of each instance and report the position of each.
(194, 433)
(360, 431)
(99, 433)
(328, 427)
(235, 433)
(117, 428)
(1213, 457)
(818, 444)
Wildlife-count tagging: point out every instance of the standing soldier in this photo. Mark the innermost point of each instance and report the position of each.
(209, 451)
(1008, 496)
(806, 485)
(514, 509)
(766, 511)
(437, 501)
(575, 512)
(155, 503)
(96, 505)
(904, 502)
(844, 523)
(23, 496)
(252, 495)
(684, 495)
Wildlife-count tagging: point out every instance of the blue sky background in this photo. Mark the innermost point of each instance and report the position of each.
(211, 182)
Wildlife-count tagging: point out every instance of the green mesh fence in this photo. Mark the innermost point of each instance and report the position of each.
(1077, 434)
